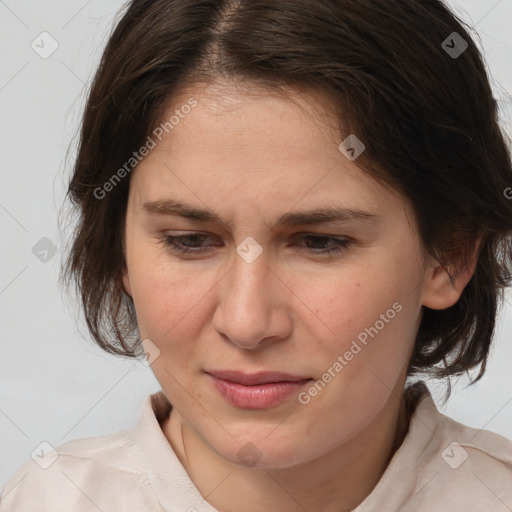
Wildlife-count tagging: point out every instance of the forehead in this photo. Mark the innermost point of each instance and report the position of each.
(255, 148)
(253, 115)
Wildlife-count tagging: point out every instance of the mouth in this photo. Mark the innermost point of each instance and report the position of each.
(260, 390)
(254, 379)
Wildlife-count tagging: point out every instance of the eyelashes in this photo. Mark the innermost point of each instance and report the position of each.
(179, 245)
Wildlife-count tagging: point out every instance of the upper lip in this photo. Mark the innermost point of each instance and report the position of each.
(250, 379)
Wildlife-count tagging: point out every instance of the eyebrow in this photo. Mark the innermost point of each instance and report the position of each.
(322, 215)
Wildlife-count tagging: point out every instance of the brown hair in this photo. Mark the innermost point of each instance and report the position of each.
(427, 117)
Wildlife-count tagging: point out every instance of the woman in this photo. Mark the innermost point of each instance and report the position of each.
(290, 210)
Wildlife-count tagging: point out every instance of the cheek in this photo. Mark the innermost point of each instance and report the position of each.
(376, 356)
(169, 297)
(165, 304)
(347, 302)
(369, 319)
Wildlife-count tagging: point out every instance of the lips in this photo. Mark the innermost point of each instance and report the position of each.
(255, 379)
(260, 390)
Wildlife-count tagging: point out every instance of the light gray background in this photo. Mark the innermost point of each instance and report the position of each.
(55, 384)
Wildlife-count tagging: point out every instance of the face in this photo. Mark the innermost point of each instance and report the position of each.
(335, 304)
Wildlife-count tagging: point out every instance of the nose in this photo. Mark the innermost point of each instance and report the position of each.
(253, 304)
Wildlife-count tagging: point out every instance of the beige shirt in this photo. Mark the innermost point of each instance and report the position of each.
(442, 466)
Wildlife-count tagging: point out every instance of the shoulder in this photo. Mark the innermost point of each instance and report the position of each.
(77, 475)
(443, 465)
(464, 468)
(479, 460)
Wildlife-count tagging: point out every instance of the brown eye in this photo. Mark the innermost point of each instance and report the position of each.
(182, 244)
(338, 244)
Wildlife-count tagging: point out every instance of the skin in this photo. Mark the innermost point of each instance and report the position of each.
(251, 156)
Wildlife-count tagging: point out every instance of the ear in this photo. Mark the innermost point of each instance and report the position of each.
(440, 290)
(126, 283)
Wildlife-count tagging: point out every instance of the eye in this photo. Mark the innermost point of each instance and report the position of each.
(175, 243)
(191, 243)
(338, 244)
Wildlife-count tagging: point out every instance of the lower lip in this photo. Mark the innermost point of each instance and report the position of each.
(261, 396)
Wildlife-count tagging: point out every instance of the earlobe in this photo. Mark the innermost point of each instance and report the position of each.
(444, 286)
(440, 291)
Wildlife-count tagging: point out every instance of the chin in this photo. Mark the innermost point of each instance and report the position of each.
(263, 451)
